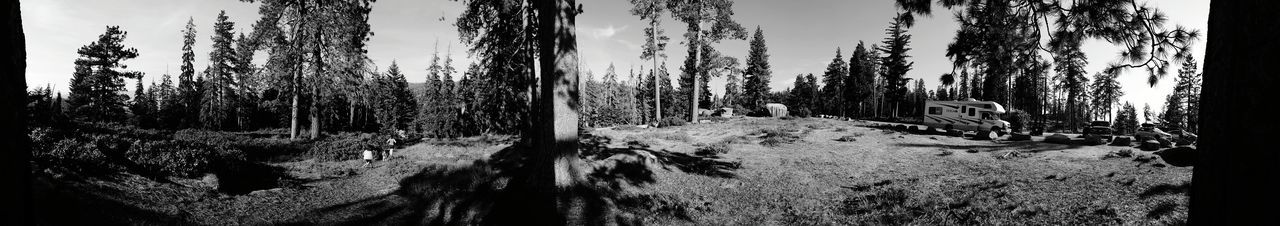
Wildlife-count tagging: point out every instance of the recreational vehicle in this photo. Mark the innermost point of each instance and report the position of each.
(967, 115)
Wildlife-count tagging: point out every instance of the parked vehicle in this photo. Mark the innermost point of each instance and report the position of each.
(1149, 131)
(1100, 128)
(967, 115)
(1183, 135)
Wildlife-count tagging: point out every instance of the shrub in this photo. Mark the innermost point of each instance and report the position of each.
(776, 136)
(176, 158)
(1018, 119)
(76, 155)
(338, 148)
(671, 121)
(847, 139)
(802, 112)
(713, 149)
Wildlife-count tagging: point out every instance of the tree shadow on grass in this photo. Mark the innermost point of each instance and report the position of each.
(496, 191)
(59, 203)
(1028, 146)
(1165, 189)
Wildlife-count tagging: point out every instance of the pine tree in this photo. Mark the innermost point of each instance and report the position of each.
(187, 107)
(217, 110)
(98, 80)
(757, 76)
(429, 117)
(732, 91)
(861, 79)
(142, 106)
(896, 65)
(833, 86)
(169, 113)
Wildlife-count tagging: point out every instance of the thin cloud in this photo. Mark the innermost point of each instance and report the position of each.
(607, 32)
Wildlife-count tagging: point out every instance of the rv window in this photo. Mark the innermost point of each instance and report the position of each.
(986, 115)
(971, 111)
(935, 110)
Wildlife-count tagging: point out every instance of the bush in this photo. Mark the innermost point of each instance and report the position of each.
(76, 155)
(801, 113)
(713, 149)
(176, 158)
(1018, 120)
(775, 136)
(671, 121)
(339, 148)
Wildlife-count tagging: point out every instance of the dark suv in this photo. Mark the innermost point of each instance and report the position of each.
(1099, 128)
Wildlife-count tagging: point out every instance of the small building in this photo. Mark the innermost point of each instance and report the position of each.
(723, 112)
(776, 109)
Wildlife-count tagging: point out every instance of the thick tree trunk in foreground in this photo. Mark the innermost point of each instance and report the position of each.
(1234, 181)
(557, 167)
(13, 66)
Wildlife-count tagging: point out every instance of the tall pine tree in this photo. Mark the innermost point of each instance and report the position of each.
(98, 81)
(896, 64)
(756, 88)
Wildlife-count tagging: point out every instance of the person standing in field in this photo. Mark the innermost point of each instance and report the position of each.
(367, 154)
(391, 148)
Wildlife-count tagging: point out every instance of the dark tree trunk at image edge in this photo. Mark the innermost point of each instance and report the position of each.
(1234, 180)
(13, 64)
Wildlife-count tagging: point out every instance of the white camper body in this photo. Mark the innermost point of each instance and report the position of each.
(967, 115)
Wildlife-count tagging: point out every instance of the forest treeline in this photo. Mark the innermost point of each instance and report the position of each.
(318, 77)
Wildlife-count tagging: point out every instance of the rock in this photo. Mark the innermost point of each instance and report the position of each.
(265, 192)
(986, 135)
(210, 181)
(1127, 181)
(1058, 138)
(1179, 156)
(1150, 145)
(1019, 137)
(1122, 141)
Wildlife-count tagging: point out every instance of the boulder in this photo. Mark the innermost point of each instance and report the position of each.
(1122, 141)
(1019, 137)
(1150, 145)
(985, 135)
(1179, 156)
(1058, 138)
(210, 181)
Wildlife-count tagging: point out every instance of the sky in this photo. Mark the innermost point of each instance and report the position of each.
(801, 35)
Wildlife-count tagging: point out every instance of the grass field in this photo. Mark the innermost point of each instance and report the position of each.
(787, 172)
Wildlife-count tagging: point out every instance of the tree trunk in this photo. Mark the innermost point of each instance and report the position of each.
(558, 169)
(13, 68)
(314, 113)
(1234, 176)
(657, 89)
(293, 120)
(697, 40)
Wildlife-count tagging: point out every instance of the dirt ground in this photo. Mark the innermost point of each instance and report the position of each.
(872, 177)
